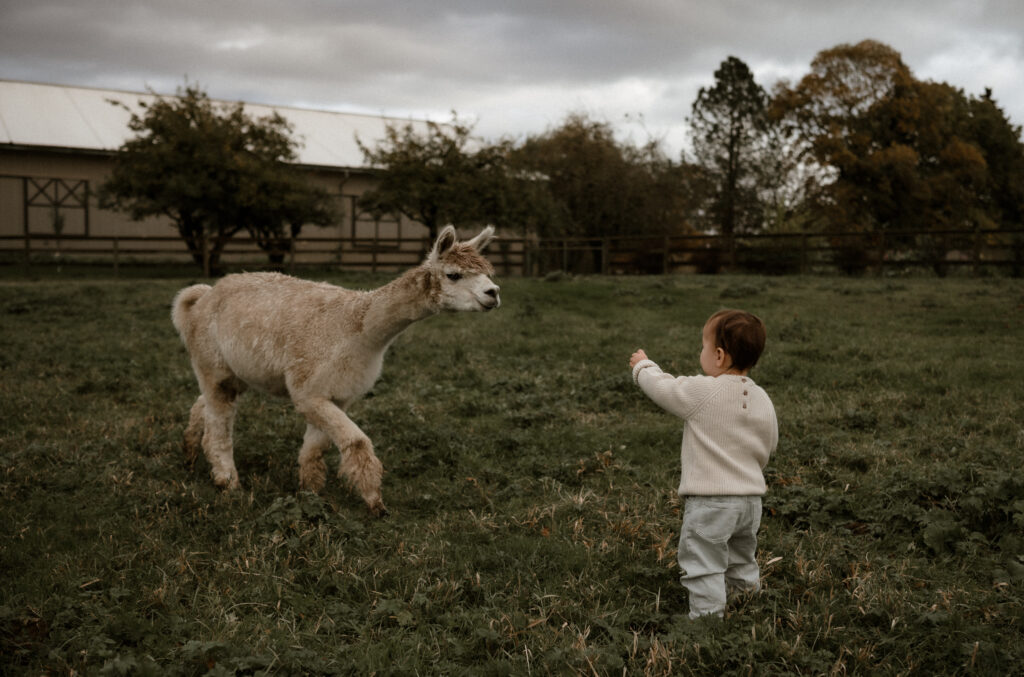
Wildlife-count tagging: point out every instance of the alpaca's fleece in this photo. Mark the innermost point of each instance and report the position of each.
(319, 344)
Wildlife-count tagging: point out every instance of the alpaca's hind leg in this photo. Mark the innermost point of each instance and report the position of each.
(194, 431)
(218, 423)
(312, 468)
(358, 462)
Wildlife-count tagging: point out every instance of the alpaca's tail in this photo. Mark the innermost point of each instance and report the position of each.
(183, 302)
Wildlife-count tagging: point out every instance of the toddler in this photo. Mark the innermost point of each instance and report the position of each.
(730, 432)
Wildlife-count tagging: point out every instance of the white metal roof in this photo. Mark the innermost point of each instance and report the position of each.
(81, 118)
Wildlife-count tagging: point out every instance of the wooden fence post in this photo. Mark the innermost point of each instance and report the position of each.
(116, 257)
(24, 221)
(977, 250)
(206, 255)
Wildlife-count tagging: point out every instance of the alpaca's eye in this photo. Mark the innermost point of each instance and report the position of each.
(454, 277)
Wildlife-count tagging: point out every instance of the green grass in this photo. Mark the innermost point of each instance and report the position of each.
(532, 491)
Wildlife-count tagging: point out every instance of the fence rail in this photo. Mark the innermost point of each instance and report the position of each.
(773, 253)
(779, 253)
(373, 254)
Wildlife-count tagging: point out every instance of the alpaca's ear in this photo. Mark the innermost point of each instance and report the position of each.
(481, 241)
(445, 241)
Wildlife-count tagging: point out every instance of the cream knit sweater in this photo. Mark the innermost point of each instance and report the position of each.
(730, 431)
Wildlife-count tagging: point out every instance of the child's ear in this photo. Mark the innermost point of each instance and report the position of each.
(720, 357)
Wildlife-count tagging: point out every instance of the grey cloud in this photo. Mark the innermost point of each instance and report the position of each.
(511, 63)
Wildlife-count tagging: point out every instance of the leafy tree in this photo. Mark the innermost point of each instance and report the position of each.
(1000, 144)
(214, 171)
(825, 117)
(901, 153)
(276, 204)
(927, 172)
(575, 180)
(440, 176)
(730, 131)
(600, 187)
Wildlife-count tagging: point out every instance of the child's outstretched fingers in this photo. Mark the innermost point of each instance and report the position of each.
(638, 356)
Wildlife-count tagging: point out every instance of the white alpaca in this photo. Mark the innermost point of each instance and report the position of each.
(319, 344)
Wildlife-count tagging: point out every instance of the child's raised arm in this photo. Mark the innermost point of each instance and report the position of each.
(678, 395)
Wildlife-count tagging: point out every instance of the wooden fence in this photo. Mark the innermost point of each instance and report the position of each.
(784, 253)
(371, 254)
(777, 253)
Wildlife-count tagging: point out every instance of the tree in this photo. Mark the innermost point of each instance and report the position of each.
(730, 129)
(576, 180)
(277, 204)
(1000, 144)
(902, 154)
(443, 175)
(600, 187)
(214, 171)
(825, 116)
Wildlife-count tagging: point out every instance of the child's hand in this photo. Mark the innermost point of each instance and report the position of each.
(638, 356)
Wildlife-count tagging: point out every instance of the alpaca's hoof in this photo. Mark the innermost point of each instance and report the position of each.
(227, 482)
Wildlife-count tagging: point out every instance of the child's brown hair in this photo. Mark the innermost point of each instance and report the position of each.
(740, 334)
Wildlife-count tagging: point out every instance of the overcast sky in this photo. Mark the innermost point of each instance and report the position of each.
(514, 68)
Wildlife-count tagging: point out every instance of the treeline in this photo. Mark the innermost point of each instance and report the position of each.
(857, 145)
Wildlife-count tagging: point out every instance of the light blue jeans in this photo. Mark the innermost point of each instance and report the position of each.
(717, 548)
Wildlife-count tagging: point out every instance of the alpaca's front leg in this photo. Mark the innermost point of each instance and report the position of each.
(312, 469)
(358, 462)
(364, 470)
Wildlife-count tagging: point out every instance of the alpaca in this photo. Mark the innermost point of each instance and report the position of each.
(319, 344)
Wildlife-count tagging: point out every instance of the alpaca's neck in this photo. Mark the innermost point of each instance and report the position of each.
(396, 305)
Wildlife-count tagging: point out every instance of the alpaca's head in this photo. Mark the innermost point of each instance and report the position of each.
(460, 271)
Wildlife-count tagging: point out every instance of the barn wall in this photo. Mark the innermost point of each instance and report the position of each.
(55, 183)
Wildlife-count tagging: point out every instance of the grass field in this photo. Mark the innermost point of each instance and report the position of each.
(532, 491)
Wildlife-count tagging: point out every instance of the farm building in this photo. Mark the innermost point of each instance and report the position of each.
(56, 148)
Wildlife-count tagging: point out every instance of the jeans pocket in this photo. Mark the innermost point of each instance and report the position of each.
(714, 524)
